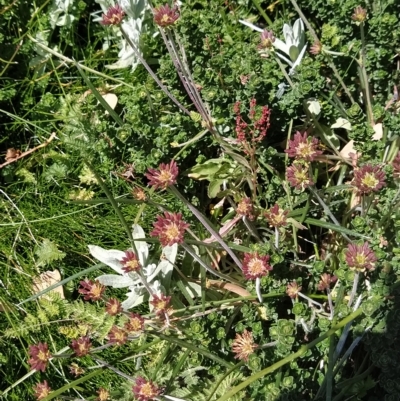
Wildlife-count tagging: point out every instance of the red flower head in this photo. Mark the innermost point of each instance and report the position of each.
(359, 15)
(368, 179)
(113, 16)
(316, 48)
(145, 390)
(267, 39)
(42, 390)
(40, 356)
(169, 229)
(92, 290)
(243, 345)
(245, 208)
(81, 346)
(276, 216)
(303, 148)
(135, 323)
(396, 166)
(255, 266)
(160, 303)
(360, 257)
(104, 394)
(299, 176)
(166, 16)
(293, 290)
(130, 262)
(117, 336)
(113, 307)
(164, 177)
(326, 281)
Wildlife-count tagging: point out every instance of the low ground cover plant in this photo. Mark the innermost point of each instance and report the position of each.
(200, 201)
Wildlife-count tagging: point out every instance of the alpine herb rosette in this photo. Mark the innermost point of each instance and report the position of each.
(132, 279)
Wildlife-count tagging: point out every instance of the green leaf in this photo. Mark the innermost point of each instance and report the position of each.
(48, 253)
(214, 188)
(334, 227)
(206, 170)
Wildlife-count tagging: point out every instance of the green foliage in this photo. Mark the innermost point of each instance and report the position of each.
(334, 341)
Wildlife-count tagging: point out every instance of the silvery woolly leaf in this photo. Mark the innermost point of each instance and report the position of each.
(141, 246)
(298, 61)
(112, 280)
(250, 25)
(134, 8)
(135, 298)
(282, 46)
(166, 265)
(169, 397)
(293, 53)
(298, 32)
(284, 59)
(110, 257)
(150, 271)
(288, 35)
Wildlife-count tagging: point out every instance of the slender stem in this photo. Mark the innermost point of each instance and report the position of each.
(203, 220)
(354, 289)
(262, 12)
(370, 113)
(330, 304)
(276, 237)
(152, 74)
(309, 299)
(196, 257)
(281, 66)
(327, 211)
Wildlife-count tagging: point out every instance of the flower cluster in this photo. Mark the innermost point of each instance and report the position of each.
(276, 216)
(293, 290)
(164, 177)
(298, 176)
(103, 394)
(368, 179)
(255, 266)
(117, 336)
(113, 16)
(81, 346)
(360, 257)
(42, 390)
(92, 290)
(316, 48)
(165, 16)
(359, 15)
(145, 390)
(113, 307)
(243, 345)
(161, 304)
(40, 356)
(245, 208)
(303, 148)
(267, 39)
(326, 281)
(169, 229)
(130, 262)
(135, 324)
